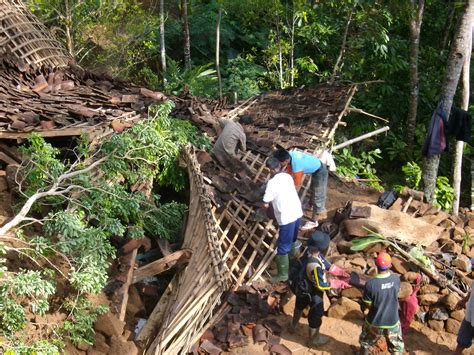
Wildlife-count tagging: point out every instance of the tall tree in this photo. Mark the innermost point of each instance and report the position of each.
(218, 40)
(457, 55)
(417, 7)
(187, 41)
(460, 144)
(162, 38)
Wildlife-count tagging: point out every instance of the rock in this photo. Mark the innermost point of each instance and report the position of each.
(405, 290)
(344, 308)
(352, 292)
(100, 344)
(438, 313)
(375, 248)
(458, 314)
(83, 346)
(433, 247)
(400, 266)
(436, 325)
(459, 231)
(326, 302)
(452, 326)
(444, 292)
(344, 247)
(109, 325)
(410, 276)
(448, 224)
(458, 220)
(470, 253)
(429, 289)
(135, 304)
(429, 299)
(3, 184)
(359, 262)
(289, 306)
(452, 247)
(463, 263)
(451, 300)
(72, 350)
(120, 346)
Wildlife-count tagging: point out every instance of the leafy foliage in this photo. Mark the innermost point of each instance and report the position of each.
(352, 167)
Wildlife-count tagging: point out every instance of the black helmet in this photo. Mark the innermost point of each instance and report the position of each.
(319, 240)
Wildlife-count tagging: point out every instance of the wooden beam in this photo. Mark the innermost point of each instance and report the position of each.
(161, 265)
(360, 138)
(74, 131)
(123, 290)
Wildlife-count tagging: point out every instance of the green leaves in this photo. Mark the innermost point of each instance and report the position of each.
(360, 244)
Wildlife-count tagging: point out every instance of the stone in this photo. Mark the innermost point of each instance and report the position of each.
(344, 247)
(433, 247)
(448, 224)
(120, 346)
(405, 290)
(458, 220)
(400, 266)
(288, 306)
(135, 305)
(451, 300)
(375, 248)
(436, 325)
(429, 299)
(438, 313)
(444, 292)
(109, 325)
(358, 262)
(344, 308)
(452, 326)
(451, 246)
(352, 292)
(83, 346)
(429, 289)
(458, 314)
(100, 344)
(462, 262)
(410, 276)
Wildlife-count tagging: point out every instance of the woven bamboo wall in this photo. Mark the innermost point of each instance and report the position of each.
(229, 250)
(22, 34)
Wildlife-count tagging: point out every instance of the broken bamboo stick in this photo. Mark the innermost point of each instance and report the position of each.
(123, 290)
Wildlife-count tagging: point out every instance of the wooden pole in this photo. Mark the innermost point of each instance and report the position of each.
(360, 138)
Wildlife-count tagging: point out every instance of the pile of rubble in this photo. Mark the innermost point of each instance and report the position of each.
(446, 246)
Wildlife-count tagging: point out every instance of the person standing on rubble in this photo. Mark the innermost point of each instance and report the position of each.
(466, 330)
(315, 268)
(381, 298)
(297, 164)
(281, 193)
(231, 139)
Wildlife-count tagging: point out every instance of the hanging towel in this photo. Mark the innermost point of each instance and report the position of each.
(435, 141)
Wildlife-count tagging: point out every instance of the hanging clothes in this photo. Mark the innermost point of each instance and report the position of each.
(436, 140)
(460, 124)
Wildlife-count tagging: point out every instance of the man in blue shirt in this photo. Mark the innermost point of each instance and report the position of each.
(299, 163)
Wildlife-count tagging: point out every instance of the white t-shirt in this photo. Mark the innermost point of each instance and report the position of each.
(281, 192)
(469, 317)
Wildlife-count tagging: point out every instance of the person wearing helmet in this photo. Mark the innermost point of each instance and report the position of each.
(281, 193)
(381, 298)
(315, 268)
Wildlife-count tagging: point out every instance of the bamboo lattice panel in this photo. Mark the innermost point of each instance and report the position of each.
(23, 35)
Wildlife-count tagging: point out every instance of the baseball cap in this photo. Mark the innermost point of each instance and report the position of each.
(383, 261)
(319, 240)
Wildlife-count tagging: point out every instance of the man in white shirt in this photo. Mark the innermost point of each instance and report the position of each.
(466, 330)
(281, 193)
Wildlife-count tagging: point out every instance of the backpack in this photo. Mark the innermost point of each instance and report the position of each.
(387, 198)
(298, 281)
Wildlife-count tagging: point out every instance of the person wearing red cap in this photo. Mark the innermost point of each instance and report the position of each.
(381, 298)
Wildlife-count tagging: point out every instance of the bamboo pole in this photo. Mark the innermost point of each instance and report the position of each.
(360, 138)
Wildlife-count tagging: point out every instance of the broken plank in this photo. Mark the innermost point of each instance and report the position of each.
(161, 265)
(5, 158)
(76, 131)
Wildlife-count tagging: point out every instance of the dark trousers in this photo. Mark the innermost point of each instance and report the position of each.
(319, 185)
(287, 236)
(316, 310)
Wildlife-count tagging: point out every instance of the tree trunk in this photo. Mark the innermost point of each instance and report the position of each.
(447, 27)
(187, 41)
(343, 46)
(68, 29)
(218, 40)
(457, 177)
(453, 72)
(417, 7)
(162, 39)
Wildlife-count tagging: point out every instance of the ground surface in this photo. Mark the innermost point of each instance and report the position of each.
(344, 334)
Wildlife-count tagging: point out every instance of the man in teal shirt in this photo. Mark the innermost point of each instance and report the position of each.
(299, 163)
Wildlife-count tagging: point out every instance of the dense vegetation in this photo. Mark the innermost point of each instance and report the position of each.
(271, 44)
